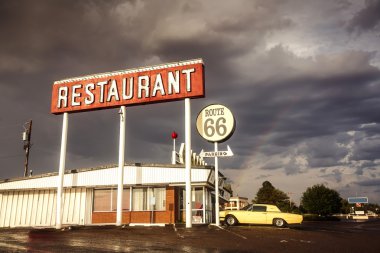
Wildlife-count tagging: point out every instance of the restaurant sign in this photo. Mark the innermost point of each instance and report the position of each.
(153, 84)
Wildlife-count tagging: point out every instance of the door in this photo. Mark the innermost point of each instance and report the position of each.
(257, 215)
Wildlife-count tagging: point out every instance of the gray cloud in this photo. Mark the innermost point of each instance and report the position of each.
(371, 182)
(367, 18)
(295, 113)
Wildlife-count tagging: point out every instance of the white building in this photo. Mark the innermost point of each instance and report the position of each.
(152, 194)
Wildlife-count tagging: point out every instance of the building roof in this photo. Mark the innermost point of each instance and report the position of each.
(134, 174)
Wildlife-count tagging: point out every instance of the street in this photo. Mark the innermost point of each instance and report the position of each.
(309, 237)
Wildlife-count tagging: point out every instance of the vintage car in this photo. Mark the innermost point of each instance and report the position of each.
(259, 214)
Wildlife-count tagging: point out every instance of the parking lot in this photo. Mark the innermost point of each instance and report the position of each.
(309, 237)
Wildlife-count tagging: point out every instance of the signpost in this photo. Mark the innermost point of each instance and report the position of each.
(358, 201)
(216, 123)
(118, 89)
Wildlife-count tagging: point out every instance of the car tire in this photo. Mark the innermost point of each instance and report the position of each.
(231, 220)
(280, 223)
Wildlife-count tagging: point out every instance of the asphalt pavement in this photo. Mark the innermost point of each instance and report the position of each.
(309, 237)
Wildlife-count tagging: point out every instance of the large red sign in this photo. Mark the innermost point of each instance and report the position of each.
(152, 84)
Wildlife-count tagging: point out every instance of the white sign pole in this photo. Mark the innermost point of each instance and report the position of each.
(216, 186)
(188, 162)
(119, 217)
(62, 164)
(174, 153)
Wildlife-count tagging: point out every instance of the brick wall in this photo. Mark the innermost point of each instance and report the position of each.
(168, 216)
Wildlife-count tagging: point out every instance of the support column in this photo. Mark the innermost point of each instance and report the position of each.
(119, 214)
(62, 164)
(174, 153)
(217, 222)
(188, 161)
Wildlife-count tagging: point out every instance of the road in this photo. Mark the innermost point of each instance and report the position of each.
(310, 237)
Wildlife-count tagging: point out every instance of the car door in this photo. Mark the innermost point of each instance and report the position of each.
(257, 215)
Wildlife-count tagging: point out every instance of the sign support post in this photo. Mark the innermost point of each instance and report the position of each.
(216, 123)
(62, 164)
(216, 186)
(188, 162)
(120, 186)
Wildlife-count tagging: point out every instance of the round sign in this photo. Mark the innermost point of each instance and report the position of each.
(215, 123)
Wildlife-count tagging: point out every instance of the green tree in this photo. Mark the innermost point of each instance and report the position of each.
(268, 194)
(373, 207)
(346, 208)
(321, 200)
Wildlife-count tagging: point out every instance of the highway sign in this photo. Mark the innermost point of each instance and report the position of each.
(215, 123)
(354, 200)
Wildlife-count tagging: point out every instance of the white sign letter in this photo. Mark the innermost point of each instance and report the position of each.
(130, 94)
(101, 84)
(113, 92)
(158, 85)
(188, 72)
(173, 82)
(90, 99)
(75, 95)
(62, 96)
(143, 84)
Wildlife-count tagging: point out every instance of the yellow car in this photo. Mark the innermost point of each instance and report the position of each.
(259, 214)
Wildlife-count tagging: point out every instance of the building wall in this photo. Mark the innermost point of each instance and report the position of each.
(167, 216)
(25, 208)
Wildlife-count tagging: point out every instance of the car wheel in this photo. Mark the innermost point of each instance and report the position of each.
(280, 223)
(231, 220)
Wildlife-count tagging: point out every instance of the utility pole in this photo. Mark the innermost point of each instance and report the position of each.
(27, 144)
(290, 200)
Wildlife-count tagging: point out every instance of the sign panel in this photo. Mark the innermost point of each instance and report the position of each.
(215, 123)
(354, 200)
(166, 82)
(228, 152)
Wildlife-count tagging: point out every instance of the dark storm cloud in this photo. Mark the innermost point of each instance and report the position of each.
(371, 182)
(368, 18)
(293, 113)
(335, 175)
(315, 101)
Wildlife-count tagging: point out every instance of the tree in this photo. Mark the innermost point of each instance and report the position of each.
(321, 200)
(268, 194)
(346, 208)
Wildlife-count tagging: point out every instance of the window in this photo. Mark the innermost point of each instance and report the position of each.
(105, 200)
(259, 208)
(146, 199)
(197, 198)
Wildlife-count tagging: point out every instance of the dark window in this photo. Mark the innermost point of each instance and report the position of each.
(259, 208)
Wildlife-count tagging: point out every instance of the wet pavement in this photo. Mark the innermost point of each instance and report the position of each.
(309, 237)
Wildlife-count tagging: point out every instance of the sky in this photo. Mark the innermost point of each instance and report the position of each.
(302, 79)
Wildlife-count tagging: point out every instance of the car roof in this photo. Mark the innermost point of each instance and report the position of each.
(263, 205)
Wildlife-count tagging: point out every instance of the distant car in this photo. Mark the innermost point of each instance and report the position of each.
(259, 214)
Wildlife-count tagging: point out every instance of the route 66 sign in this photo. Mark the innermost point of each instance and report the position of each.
(215, 123)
